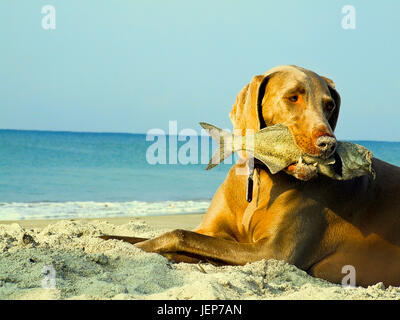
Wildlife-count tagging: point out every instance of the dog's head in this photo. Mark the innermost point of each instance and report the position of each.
(305, 102)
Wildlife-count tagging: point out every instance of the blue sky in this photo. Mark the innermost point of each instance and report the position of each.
(129, 66)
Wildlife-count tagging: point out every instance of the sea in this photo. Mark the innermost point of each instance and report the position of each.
(50, 174)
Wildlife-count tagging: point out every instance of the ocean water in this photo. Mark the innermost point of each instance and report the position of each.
(69, 175)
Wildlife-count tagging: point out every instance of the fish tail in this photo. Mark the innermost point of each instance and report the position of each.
(225, 144)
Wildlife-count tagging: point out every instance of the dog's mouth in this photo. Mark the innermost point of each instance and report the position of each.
(307, 169)
(302, 170)
(302, 162)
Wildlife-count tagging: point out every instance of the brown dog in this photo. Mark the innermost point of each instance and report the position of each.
(319, 225)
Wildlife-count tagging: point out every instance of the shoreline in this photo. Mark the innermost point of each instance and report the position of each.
(173, 221)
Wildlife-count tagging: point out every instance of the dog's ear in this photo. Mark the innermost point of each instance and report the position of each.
(246, 112)
(336, 97)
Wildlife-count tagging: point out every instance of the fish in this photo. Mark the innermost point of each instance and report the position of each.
(276, 148)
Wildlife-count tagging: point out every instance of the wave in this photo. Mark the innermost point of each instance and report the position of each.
(91, 209)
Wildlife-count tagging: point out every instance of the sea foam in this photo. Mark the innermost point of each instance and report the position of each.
(91, 209)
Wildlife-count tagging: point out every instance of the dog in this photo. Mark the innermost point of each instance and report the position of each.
(316, 223)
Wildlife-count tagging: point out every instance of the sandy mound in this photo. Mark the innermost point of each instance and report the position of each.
(66, 260)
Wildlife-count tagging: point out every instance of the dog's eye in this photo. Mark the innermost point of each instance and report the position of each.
(293, 98)
(330, 106)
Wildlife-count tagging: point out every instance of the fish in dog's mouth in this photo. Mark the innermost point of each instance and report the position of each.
(275, 147)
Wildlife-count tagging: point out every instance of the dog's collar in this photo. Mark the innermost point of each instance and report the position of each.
(253, 164)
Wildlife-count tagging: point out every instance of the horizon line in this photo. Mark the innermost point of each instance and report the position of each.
(142, 133)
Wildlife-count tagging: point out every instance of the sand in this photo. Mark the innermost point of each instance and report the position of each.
(64, 259)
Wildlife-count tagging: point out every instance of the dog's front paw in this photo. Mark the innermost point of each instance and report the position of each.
(302, 171)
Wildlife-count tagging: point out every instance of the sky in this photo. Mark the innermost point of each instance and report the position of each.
(131, 66)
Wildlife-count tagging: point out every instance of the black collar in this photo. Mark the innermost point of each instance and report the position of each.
(253, 164)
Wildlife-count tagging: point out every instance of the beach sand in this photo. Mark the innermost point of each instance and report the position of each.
(64, 259)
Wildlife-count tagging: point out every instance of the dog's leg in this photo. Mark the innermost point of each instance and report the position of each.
(182, 244)
(189, 258)
(171, 256)
(131, 240)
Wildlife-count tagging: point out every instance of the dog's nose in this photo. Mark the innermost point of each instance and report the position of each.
(326, 145)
